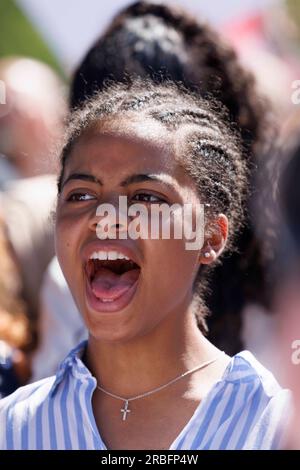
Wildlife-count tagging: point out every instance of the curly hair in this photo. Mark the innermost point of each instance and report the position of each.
(208, 148)
(164, 43)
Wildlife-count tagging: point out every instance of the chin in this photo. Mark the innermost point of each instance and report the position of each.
(113, 325)
(112, 334)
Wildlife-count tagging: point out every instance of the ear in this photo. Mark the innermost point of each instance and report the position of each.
(215, 239)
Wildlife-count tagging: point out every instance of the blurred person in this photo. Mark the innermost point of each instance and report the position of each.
(14, 325)
(287, 336)
(287, 293)
(31, 122)
(279, 229)
(26, 206)
(31, 119)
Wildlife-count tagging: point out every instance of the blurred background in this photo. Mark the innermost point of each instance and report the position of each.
(41, 45)
(265, 33)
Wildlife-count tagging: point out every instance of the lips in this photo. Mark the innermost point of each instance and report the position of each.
(111, 282)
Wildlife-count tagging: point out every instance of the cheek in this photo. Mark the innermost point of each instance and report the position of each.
(66, 235)
(172, 268)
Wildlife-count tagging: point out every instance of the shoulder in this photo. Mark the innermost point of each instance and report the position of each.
(267, 405)
(29, 395)
(19, 408)
(31, 417)
(245, 368)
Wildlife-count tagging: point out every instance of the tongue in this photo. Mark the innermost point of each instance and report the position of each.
(109, 285)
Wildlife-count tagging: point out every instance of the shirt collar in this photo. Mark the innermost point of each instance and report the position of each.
(240, 368)
(71, 361)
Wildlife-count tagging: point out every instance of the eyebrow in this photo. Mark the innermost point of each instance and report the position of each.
(84, 177)
(136, 178)
(139, 178)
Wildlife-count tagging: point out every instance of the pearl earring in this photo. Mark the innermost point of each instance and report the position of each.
(208, 253)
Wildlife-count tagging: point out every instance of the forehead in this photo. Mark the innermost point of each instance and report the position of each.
(124, 144)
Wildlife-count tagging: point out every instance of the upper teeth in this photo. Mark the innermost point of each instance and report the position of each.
(111, 255)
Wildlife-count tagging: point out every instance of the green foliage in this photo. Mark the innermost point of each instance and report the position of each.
(19, 37)
(293, 7)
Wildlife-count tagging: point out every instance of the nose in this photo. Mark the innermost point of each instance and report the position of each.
(108, 220)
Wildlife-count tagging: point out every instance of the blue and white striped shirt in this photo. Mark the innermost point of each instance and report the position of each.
(243, 410)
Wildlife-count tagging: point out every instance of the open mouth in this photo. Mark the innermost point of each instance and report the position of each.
(112, 278)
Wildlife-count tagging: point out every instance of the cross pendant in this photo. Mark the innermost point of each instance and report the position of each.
(125, 410)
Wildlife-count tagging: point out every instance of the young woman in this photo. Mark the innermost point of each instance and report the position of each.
(162, 42)
(15, 331)
(147, 378)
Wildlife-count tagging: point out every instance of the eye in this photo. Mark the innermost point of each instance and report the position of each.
(80, 197)
(147, 198)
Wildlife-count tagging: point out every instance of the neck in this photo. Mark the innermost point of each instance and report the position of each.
(147, 362)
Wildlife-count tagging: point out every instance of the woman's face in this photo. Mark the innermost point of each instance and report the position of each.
(123, 298)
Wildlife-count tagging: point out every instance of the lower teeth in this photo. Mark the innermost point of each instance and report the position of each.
(107, 300)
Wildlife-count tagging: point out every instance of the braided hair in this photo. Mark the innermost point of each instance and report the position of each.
(209, 150)
(161, 42)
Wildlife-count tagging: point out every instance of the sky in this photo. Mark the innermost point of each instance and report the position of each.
(70, 26)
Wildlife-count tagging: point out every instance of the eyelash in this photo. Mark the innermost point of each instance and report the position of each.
(76, 197)
(149, 195)
(73, 197)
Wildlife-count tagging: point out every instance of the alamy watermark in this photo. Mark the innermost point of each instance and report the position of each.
(295, 357)
(159, 221)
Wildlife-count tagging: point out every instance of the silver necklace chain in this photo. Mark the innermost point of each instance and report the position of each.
(126, 401)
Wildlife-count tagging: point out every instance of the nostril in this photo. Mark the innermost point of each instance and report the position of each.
(118, 226)
(93, 224)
